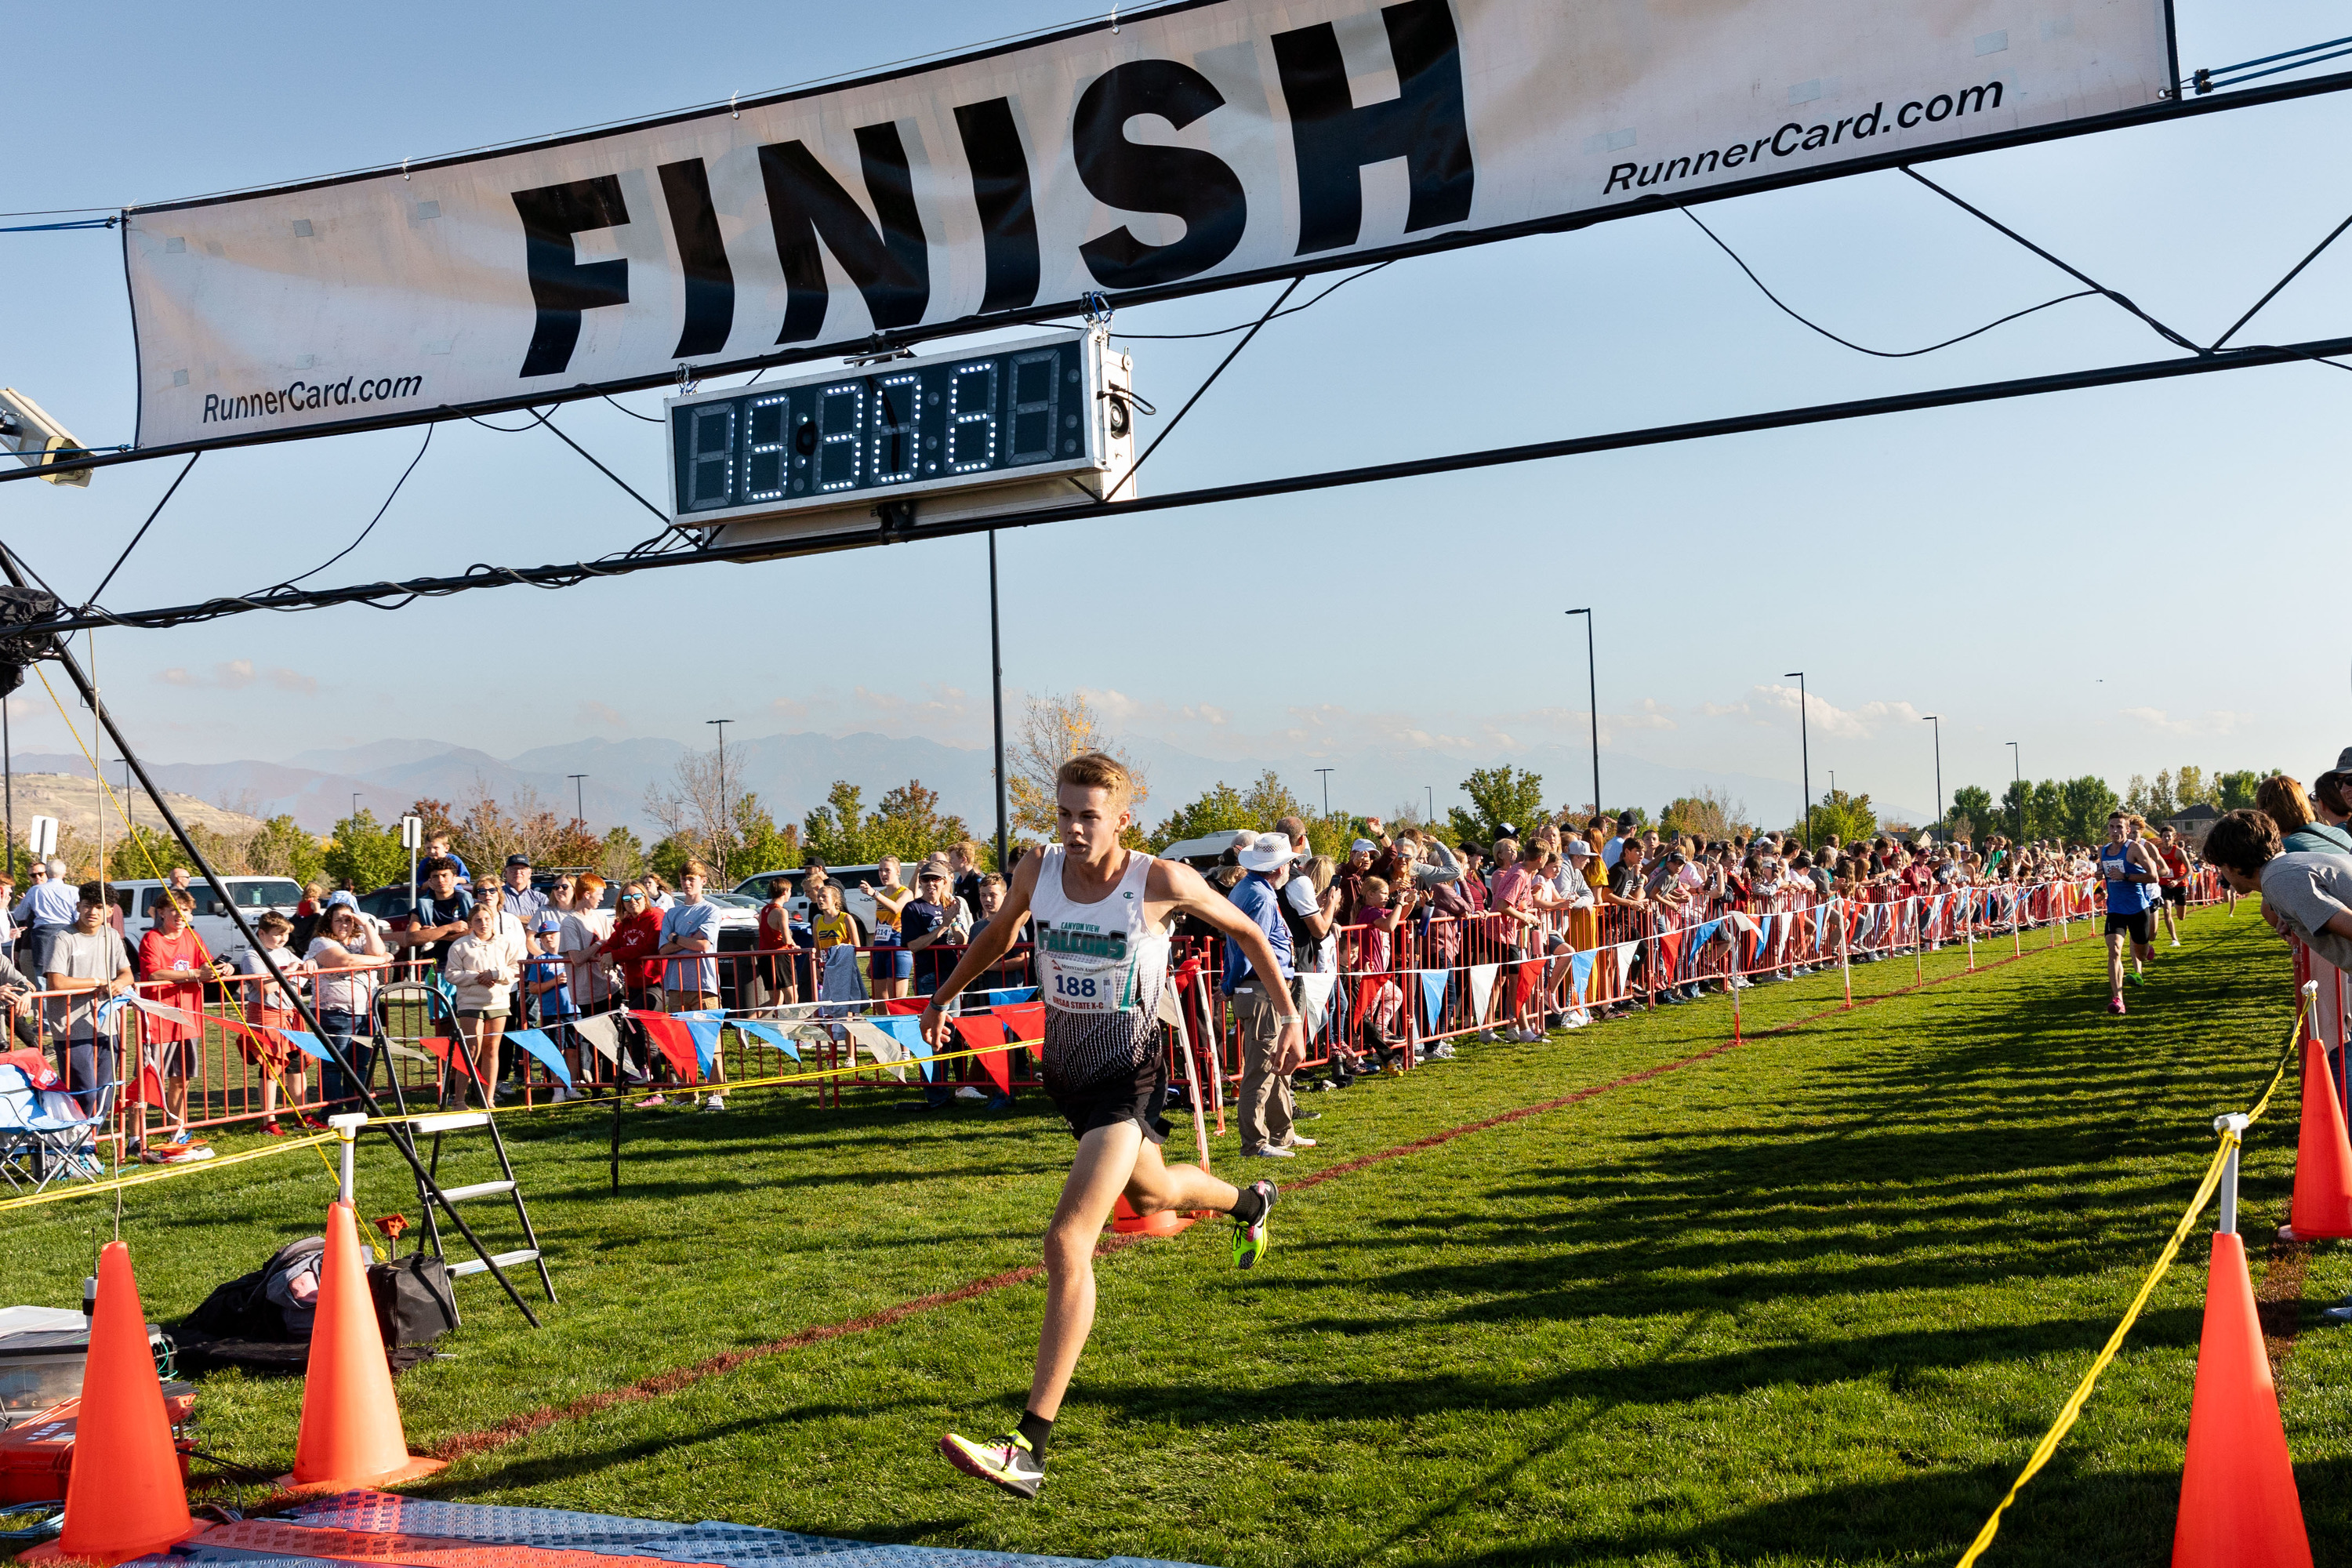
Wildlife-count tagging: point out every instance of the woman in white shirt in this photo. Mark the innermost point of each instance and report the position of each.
(349, 956)
(483, 970)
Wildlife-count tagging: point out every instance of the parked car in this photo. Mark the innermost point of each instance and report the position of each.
(857, 904)
(254, 896)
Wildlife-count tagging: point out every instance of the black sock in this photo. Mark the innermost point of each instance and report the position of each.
(1034, 1429)
(1250, 1207)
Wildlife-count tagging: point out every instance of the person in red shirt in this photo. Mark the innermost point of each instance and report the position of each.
(173, 953)
(2173, 881)
(635, 939)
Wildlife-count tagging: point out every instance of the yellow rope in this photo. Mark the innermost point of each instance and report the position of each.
(2075, 1401)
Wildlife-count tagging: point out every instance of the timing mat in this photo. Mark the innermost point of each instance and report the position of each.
(384, 1528)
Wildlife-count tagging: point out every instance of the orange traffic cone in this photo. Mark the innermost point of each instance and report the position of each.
(2323, 1158)
(1127, 1222)
(351, 1423)
(2238, 1502)
(124, 1498)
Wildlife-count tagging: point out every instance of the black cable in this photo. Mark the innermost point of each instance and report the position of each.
(2291, 273)
(1169, 428)
(143, 527)
(1248, 326)
(2080, 277)
(648, 418)
(1843, 342)
(608, 473)
(386, 507)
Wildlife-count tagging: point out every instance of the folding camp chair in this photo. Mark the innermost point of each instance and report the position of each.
(44, 1134)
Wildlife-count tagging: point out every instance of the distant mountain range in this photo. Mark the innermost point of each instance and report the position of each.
(792, 773)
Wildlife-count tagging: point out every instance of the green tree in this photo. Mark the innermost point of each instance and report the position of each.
(908, 824)
(1850, 816)
(1498, 796)
(146, 852)
(760, 844)
(2161, 803)
(366, 853)
(281, 849)
(2190, 788)
(833, 833)
(2047, 816)
(2234, 791)
(2016, 813)
(1219, 807)
(2088, 803)
(1974, 804)
(620, 855)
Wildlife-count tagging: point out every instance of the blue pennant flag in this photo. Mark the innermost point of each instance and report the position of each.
(1706, 934)
(309, 1044)
(1433, 995)
(1763, 932)
(1580, 971)
(704, 1027)
(770, 1033)
(908, 1032)
(1012, 997)
(536, 1042)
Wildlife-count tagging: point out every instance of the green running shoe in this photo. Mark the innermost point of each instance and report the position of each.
(2134, 976)
(1008, 1462)
(1251, 1241)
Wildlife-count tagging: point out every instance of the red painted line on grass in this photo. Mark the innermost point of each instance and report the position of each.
(516, 1427)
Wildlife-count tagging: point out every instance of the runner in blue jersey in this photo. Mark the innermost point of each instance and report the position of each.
(2132, 872)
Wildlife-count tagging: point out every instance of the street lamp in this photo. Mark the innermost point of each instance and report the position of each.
(1936, 719)
(2017, 770)
(580, 795)
(1433, 802)
(1327, 773)
(719, 839)
(355, 801)
(1592, 701)
(1804, 752)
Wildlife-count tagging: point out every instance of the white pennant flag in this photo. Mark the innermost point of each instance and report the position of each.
(1482, 986)
(1624, 951)
(1318, 989)
(882, 1046)
(600, 1031)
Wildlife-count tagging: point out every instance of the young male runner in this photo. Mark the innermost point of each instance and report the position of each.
(2132, 873)
(2173, 885)
(1102, 915)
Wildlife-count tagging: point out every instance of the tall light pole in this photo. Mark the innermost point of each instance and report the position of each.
(1592, 701)
(1327, 773)
(2017, 770)
(580, 797)
(1804, 754)
(718, 839)
(996, 699)
(1433, 802)
(355, 799)
(1936, 719)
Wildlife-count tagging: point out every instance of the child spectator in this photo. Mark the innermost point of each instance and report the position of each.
(547, 988)
(268, 1005)
(1380, 999)
(173, 952)
(349, 958)
(776, 972)
(484, 972)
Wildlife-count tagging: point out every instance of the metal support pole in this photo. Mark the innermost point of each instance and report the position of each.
(1592, 704)
(8, 783)
(1804, 754)
(228, 906)
(347, 1132)
(996, 700)
(2233, 1126)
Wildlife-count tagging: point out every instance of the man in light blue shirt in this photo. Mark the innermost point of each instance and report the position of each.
(1267, 1111)
(49, 909)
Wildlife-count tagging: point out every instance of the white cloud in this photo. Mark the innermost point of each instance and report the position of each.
(1846, 723)
(294, 680)
(2214, 722)
(237, 674)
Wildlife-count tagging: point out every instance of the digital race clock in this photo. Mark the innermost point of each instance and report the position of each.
(954, 434)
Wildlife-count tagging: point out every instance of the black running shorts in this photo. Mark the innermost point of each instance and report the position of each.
(2141, 927)
(2177, 896)
(1139, 1097)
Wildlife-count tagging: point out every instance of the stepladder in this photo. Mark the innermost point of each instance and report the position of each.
(439, 1129)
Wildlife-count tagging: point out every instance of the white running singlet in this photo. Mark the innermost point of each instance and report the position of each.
(1099, 970)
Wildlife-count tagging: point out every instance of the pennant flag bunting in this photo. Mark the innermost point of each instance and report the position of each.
(1025, 1023)
(1433, 995)
(671, 1037)
(1017, 994)
(1763, 931)
(1580, 976)
(908, 1032)
(1522, 984)
(703, 1028)
(985, 1033)
(772, 1034)
(1670, 948)
(1624, 951)
(1318, 989)
(882, 1046)
(601, 1033)
(1482, 987)
(303, 1040)
(908, 1007)
(536, 1042)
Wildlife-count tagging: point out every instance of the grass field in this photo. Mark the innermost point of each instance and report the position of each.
(1809, 1300)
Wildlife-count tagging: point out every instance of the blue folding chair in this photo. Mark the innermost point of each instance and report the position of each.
(46, 1135)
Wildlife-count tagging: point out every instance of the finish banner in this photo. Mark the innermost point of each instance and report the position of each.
(1197, 146)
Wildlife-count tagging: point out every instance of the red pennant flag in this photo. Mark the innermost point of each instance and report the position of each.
(1530, 971)
(149, 1090)
(437, 1046)
(986, 1035)
(674, 1042)
(1670, 947)
(1024, 1022)
(906, 1006)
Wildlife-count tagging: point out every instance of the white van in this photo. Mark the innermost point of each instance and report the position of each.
(254, 897)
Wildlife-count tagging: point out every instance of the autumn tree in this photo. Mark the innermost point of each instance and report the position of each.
(1051, 732)
(1498, 796)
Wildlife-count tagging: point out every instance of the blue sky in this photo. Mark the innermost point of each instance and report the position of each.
(2084, 574)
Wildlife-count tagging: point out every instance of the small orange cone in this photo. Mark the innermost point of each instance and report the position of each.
(124, 1498)
(2238, 1501)
(2323, 1158)
(351, 1423)
(1127, 1222)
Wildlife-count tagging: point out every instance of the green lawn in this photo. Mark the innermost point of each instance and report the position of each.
(1809, 1300)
